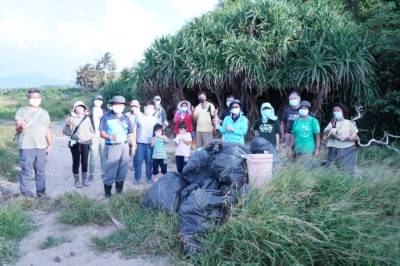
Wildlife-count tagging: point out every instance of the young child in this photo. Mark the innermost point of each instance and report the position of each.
(159, 151)
(182, 142)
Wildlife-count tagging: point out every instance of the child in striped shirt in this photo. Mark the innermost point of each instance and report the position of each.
(158, 143)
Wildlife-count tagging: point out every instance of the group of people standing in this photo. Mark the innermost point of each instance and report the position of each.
(116, 136)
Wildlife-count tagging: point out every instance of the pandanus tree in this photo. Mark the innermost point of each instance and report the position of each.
(260, 49)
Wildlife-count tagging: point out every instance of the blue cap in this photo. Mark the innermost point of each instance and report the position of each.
(98, 97)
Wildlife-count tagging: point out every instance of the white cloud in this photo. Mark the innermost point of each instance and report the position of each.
(20, 32)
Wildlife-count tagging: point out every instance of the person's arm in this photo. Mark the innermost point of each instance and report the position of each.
(221, 128)
(317, 143)
(187, 140)
(153, 142)
(195, 113)
(133, 144)
(277, 141)
(20, 125)
(283, 130)
(49, 140)
(176, 117)
(241, 130)
(165, 139)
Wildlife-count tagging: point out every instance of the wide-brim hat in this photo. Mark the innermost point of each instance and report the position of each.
(134, 103)
(237, 102)
(118, 99)
(98, 97)
(79, 103)
(306, 104)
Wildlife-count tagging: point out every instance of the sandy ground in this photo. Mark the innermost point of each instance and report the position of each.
(78, 251)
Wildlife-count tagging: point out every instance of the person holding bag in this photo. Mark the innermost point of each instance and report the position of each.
(79, 127)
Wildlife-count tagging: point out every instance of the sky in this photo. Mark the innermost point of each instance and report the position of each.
(54, 38)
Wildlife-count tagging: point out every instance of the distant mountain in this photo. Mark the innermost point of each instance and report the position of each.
(31, 80)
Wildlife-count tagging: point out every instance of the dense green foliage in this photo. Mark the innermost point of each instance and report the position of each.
(262, 49)
(8, 153)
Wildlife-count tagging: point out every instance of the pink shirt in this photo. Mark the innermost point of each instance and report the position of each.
(183, 149)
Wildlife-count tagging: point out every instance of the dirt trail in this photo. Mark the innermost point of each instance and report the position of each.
(78, 251)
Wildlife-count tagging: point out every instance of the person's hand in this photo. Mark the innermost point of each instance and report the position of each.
(67, 120)
(115, 137)
(333, 122)
(229, 129)
(192, 108)
(165, 124)
(316, 152)
(132, 153)
(215, 113)
(48, 150)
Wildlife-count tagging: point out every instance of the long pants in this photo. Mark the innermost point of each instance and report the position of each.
(116, 162)
(96, 150)
(143, 152)
(181, 161)
(203, 138)
(32, 159)
(345, 157)
(288, 139)
(163, 165)
(80, 156)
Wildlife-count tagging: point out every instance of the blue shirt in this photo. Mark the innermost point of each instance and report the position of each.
(241, 125)
(112, 125)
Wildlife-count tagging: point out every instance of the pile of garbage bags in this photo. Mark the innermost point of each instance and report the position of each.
(211, 183)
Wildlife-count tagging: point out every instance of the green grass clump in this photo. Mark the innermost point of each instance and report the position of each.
(76, 209)
(15, 224)
(8, 154)
(307, 217)
(146, 231)
(53, 241)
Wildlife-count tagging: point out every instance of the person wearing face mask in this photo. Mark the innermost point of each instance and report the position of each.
(235, 126)
(203, 115)
(158, 143)
(116, 129)
(290, 114)
(226, 112)
(183, 114)
(134, 107)
(98, 144)
(34, 143)
(306, 132)
(341, 135)
(267, 125)
(182, 143)
(145, 123)
(80, 129)
(160, 112)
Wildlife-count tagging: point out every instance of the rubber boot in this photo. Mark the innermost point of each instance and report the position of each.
(77, 182)
(107, 190)
(119, 186)
(85, 182)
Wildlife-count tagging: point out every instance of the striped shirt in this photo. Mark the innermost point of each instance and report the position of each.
(159, 150)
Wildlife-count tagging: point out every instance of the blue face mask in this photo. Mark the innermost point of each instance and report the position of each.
(303, 112)
(183, 109)
(202, 100)
(338, 115)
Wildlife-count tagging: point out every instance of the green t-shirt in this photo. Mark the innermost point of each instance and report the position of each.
(304, 130)
(267, 130)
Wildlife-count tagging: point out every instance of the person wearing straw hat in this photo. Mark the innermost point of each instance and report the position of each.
(97, 147)
(34, 143)
(79, 127)
(306, 132)
(116, 129)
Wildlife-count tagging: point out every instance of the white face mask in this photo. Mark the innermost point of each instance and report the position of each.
(118, 109)
(35, 101)
(235, 111)
(294, 102)
(303, 112)
(149, 111)
(182, 131)
(135, 110)
(158, 133)
(97, 103)
(228, 103)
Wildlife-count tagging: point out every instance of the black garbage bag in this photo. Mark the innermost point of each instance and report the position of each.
(228, 166)
(202, 210)
(214, 147)
(259, 145)
(208, 183)
(165, 193)
(198, 167)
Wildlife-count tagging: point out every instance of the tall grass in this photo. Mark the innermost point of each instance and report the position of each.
(8, 153)
(57, 101)
(15, 224)
(313, 217)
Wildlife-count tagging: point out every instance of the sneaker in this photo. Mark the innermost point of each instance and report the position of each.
(136, 182)
(149, 182)
(90, 178)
